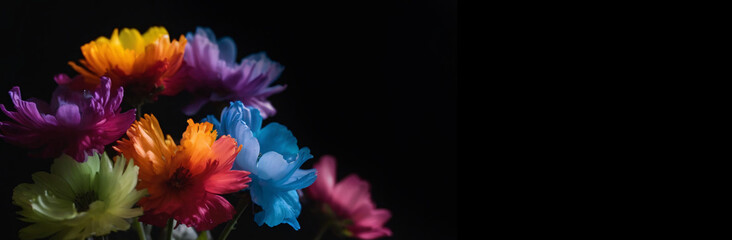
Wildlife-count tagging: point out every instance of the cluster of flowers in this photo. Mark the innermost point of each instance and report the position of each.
(153, 180)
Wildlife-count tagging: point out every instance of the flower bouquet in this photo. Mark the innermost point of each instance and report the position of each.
(114, 170)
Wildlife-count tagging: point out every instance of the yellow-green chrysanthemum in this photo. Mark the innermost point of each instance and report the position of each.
(79, 200)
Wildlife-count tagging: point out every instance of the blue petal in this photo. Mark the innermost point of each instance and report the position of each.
(253, 119)
(277, 208)
(247, 157)
(206, 32)
(299, 180)
(300, 158)
(230, 116)
(272, 167)
(227, 50)
(255, 57)
(276, 137)
(303, 155)
(284, 175)
(217, 125)
(235, 112)
(293, 200)
(250, 116)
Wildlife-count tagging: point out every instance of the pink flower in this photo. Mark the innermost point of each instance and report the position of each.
(350, 200)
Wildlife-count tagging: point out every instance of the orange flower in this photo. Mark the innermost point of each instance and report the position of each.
(184, 181)
(142, 63)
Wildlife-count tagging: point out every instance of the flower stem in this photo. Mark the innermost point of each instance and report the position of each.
(138, 111)
(244, 202)
(169, 229)
(322, 230)
(203, 235)
(138, 227)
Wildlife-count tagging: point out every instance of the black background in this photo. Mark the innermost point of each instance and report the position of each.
(374, 84)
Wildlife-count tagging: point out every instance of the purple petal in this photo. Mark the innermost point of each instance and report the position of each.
(212, 73)
(114, 126)
(77, 122)
(62, 79)
(194, 106)
(27, 113)
(68, 115)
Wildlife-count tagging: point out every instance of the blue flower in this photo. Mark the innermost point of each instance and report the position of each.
(273, 158)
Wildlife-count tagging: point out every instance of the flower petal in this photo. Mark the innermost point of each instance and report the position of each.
(280, 207)
(27, 113)
(195, 105)
(56, 184)
(236, 112)
(350, 193)
(272, 166)
(276, 137)
(217, 125)
(299, 180)
(39, 230)
(227, 50)
(68, 115)
(114, 127)
(372, 233)
(374, 219)
(52, 208)
(76, 175)
(195, 146)
(247, 158)
(322, 188)
(212, 211)
(227, 182)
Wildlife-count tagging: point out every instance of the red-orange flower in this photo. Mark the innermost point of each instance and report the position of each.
(184, 180)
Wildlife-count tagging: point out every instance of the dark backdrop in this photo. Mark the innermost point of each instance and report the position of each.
(373, 84)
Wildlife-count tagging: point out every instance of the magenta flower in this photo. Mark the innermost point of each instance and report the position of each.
(75, 123)
(350, 201)
(210, 73)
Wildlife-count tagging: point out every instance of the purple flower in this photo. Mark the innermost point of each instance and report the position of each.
(210, 73)
(75, 123)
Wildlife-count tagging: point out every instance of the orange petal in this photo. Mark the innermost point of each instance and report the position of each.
(195, 146)
(147, 147)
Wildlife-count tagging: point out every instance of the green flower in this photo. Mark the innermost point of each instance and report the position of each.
(79, 200)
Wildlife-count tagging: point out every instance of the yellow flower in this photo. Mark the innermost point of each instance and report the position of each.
(143, 64)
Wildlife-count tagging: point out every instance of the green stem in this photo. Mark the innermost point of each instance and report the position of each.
(322, 230)
(104, 237)
(138, 111)
(138, 227)
(244, 202)
(203, 235)
(169, 229)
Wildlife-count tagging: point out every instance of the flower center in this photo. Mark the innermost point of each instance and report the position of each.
(82, 201)
(180, 178)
